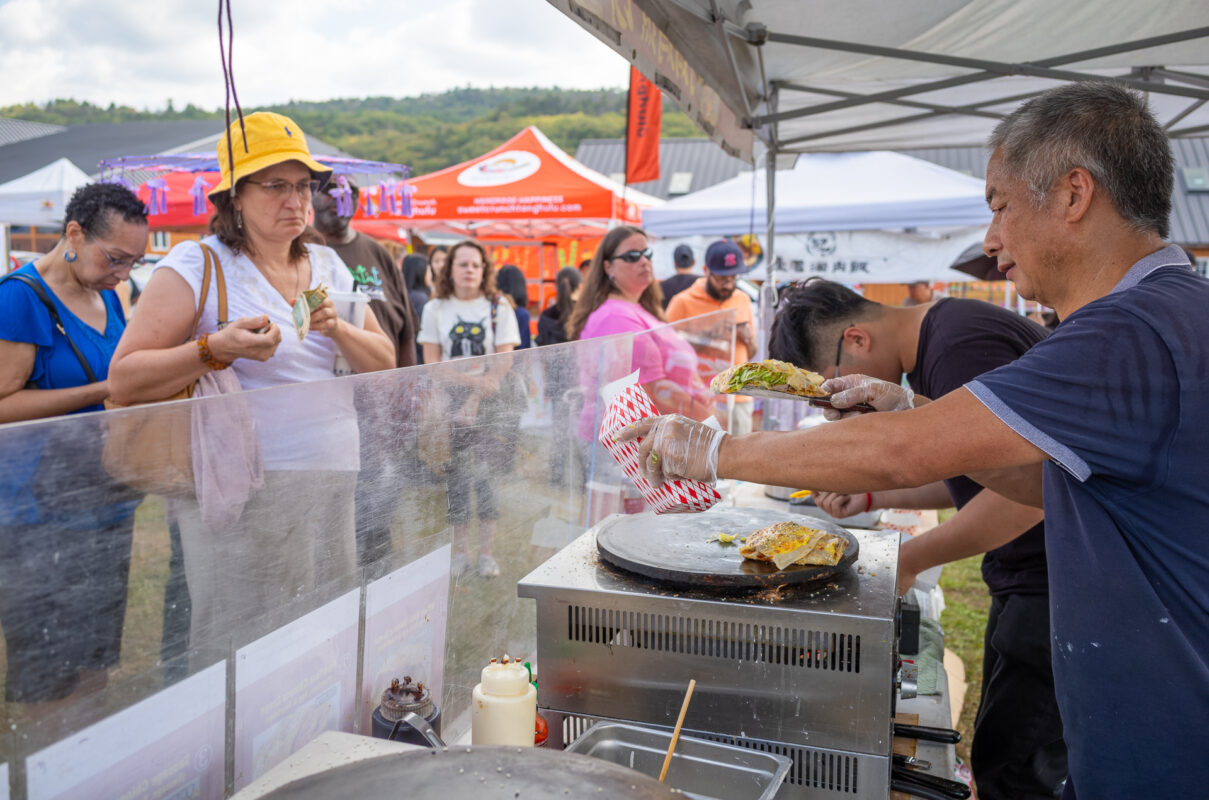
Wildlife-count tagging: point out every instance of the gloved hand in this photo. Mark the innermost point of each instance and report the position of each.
(843, 505)
(848, 390)
(675, 447)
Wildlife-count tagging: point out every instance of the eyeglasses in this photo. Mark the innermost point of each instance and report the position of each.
(839, 351)
(117, 264)
(279, 190)
(634, 256)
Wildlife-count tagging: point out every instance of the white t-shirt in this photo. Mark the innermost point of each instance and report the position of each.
(311, 429)
(463, 327)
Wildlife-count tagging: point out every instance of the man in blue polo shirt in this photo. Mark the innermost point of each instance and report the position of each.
(1110, 414)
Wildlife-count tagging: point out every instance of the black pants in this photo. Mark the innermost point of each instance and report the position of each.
(62, 604)
(1018, 752)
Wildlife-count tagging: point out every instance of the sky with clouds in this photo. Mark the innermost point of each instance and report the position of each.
(143, 52)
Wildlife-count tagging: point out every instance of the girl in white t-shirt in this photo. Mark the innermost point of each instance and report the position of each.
(466, 318)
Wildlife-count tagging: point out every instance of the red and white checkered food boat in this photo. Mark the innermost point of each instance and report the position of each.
(681, 496)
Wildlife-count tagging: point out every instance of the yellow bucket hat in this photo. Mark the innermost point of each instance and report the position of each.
(272, 139)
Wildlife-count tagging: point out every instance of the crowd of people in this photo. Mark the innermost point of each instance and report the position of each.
(278, 485)
(1095, 591)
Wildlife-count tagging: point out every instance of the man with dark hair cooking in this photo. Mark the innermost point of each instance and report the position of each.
(1108, 414)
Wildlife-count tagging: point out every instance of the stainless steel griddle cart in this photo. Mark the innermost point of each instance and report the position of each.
(803, 669)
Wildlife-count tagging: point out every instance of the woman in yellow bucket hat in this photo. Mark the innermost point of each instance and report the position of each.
(298, 531)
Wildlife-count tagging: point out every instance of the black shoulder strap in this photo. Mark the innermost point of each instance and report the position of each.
(54, 316)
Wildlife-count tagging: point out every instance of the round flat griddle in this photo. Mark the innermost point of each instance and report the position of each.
(484, 773)
(675, 548)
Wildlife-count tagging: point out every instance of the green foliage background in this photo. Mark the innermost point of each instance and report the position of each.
(427, 133)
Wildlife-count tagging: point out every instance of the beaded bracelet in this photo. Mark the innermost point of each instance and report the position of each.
(207, 358)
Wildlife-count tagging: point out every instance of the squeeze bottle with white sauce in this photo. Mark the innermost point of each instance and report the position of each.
(504, 708)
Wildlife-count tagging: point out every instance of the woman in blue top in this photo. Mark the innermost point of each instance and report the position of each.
(65, 529)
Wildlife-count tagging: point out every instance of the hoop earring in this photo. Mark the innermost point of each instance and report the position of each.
(238, 219)
(70, 256)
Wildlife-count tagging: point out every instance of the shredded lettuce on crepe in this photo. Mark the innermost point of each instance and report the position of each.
(771, 374)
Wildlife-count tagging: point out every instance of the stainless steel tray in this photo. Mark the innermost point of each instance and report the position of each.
(700, 768)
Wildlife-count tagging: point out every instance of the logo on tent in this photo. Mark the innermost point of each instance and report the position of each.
(820, 244)
(503, 168)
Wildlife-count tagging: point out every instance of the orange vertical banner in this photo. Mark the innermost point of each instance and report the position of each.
(644, 114)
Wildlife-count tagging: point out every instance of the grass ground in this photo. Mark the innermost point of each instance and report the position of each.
(964, 622)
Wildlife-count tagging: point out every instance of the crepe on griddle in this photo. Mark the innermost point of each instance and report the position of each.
(785, 543)
(777, 376)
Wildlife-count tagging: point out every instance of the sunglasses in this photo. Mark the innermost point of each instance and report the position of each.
(634, 256)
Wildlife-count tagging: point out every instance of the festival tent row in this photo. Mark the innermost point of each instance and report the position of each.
(530, 202)
(876, 217)
(534, 204)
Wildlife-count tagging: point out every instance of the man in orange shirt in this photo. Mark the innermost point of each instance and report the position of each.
(715, 292)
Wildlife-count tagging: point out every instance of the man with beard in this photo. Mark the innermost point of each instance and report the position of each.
(385, 423)
(716, 292)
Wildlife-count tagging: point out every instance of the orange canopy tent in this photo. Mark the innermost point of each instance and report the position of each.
(528, 201)
(525, 189)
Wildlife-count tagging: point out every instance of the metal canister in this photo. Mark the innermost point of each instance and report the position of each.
(399, 699)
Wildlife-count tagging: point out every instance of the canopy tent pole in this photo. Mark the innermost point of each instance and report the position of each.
(768, 292)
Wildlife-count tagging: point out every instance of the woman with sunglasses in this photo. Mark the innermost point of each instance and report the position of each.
(65, 529)
(298, 531)
(620, 295)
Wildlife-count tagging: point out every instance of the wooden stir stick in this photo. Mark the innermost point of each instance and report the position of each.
(667, 761)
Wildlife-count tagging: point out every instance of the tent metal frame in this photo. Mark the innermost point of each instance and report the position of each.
(1151, 79)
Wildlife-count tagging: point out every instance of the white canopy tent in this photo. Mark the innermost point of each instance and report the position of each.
(832, 191)
(875, 217)
(40, 197)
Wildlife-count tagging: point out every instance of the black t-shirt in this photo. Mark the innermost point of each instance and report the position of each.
(550, 327)
(958, 341)
(675, 285)
(376, 276)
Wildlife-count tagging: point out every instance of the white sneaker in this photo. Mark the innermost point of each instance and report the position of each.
(488, 567)
(459, 564)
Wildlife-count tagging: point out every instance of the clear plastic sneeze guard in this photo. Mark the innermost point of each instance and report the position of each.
(181, 646)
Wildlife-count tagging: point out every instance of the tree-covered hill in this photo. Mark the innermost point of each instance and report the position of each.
(426, 133)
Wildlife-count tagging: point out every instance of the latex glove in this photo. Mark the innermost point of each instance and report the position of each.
(848, 390)
(675, 447)
(842, 505)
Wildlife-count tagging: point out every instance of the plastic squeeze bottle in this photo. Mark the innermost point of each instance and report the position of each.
(504, 708)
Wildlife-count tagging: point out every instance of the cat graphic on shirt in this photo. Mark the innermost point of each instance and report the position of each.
(467, 339)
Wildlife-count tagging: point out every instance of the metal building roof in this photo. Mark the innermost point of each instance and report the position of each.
(18, 130)
(86, 145)
(705, 162)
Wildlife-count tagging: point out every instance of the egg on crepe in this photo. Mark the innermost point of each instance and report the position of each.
(786, 543)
